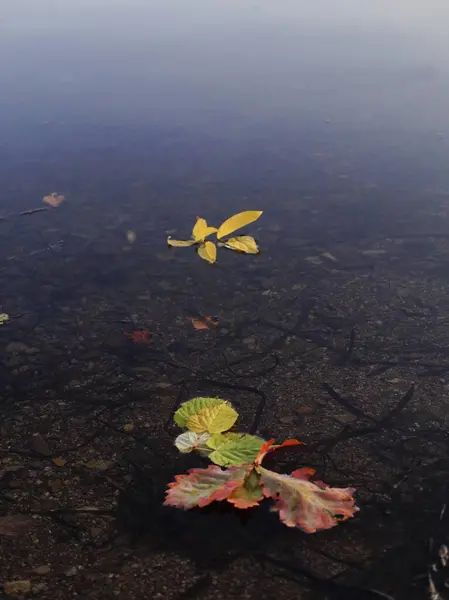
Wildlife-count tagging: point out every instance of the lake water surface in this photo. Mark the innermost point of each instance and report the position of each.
(332, 118)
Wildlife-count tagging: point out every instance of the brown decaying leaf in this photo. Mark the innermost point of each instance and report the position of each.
(54, 199)
(204, 323)
(14, 525)
(59, 462)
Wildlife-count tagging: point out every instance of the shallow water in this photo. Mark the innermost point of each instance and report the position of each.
(144, 114)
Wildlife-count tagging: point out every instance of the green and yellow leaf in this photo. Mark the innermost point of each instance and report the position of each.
(180, 243)
(237, 222)
(242, 243)
(234, 448)
(208, 251)
(213, 419)
(201, 230)
(192, 407)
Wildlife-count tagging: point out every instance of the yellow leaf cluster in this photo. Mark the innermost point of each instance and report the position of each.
(207, 250)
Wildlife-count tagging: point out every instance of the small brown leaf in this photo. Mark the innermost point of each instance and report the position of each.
(54, 199)
(42, 570)
(205, 323)
(59, 462)
(128, 428)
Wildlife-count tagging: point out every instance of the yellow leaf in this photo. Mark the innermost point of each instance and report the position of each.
(128, 428)
(213, 419)
(242, 243)
(201, 230)
(179, 243)
(237, 221)
(59, 462)
(3, 318)
(208, 251)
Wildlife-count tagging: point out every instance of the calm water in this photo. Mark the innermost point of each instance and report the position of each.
(333, 119)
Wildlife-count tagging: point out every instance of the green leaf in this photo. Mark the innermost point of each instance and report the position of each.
(192, 407)
(234, 448)
(213, 419)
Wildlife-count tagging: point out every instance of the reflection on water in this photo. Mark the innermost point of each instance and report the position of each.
(333, 120)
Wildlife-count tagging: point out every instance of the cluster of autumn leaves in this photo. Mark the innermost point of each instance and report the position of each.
(244, 482)
(207, 250)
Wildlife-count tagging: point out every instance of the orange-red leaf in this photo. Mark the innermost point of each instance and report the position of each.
(205, 323)
(53, 199)
(270, 446)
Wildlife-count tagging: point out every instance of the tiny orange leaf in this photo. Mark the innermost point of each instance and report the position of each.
(54, 199)
(59, 462)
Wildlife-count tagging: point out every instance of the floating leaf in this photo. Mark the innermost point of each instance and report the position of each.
(53, 199)
(208, 251)
(189, 441)
(180, 243)
(201, 230)
(200, 487)
(131, 236)
(233, 448)
(4, 318)
(270, 446)
(128, 427)
(59, 462)
(304, 504)
(249, 494)
(206, 323)
(14, 525)
(237, 221)
(242, 243)
(213, 419)
(192, 407)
